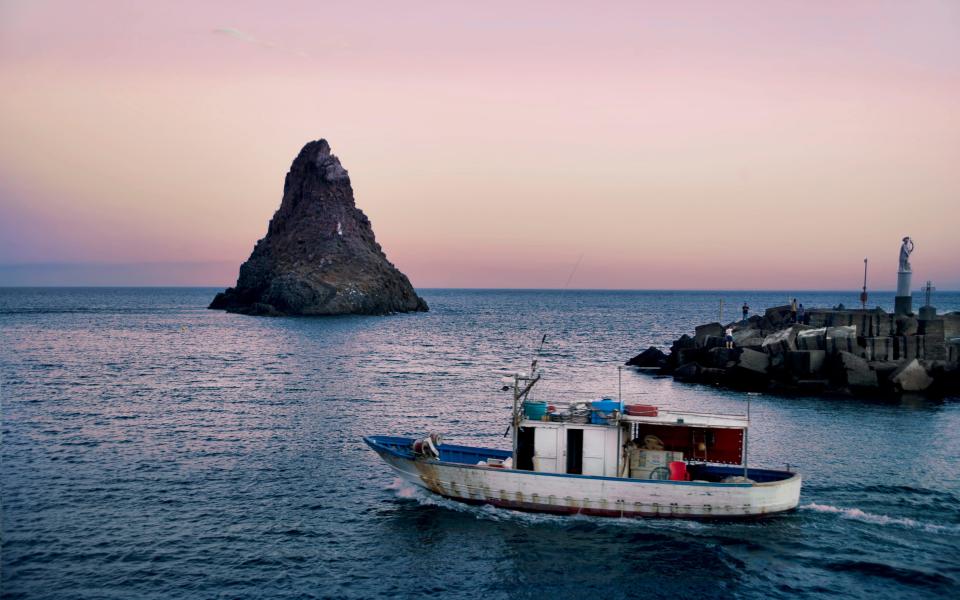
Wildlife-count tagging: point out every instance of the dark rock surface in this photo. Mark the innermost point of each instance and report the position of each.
(834, 352)
(651, 357)
(319, 256)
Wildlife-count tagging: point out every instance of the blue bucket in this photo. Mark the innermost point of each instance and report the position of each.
(606, 405)
(602, 413)
(534, 410)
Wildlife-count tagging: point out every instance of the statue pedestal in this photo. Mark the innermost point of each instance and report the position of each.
(928, 313)
(903, 303)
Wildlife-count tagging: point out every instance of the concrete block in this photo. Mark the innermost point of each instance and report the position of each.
(907, 325)
(719, 357)
(931, 327)
(803, 363)
(911, 377)
(702, 332)
(784, 340)
(753, 361)
(742, 336)
(934, 347)
(812, 339)
(856, 373)
(688, 355)
(885, 326)
(906, 347)
(878, 348)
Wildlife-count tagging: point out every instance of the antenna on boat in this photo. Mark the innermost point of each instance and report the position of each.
(533, 365)
(620, 384)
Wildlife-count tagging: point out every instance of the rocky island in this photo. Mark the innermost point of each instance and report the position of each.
(835, 351)
(319, 256)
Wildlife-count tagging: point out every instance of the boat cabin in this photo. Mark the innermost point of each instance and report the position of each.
(653, 445)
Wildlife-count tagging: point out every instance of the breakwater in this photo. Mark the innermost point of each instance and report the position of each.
(827, 350)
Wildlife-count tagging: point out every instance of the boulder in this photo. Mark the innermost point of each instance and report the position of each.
(911, 377)
(688, 372)
(702, 332)
(855, 372)
(689, 355)
(712, 375)
(651, 357)
(320, 256)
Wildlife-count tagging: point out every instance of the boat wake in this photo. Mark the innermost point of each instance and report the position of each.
(855, 514)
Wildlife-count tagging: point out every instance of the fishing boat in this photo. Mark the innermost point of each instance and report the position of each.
(601, 458)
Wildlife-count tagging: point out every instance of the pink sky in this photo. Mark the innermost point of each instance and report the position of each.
(768, 145)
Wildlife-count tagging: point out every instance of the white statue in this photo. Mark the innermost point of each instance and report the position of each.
(905, 249)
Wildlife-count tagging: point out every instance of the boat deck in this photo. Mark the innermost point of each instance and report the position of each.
(470, 456)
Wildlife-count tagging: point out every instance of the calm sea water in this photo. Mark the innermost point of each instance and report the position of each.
(155, 449)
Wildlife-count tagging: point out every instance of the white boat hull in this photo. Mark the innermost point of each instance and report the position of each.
(594, 495)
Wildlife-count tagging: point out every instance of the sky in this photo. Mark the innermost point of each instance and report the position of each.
(634, 145)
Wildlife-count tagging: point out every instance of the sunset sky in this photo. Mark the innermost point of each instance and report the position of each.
(733, 145)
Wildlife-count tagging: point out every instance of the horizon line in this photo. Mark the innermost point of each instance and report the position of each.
(506, 289)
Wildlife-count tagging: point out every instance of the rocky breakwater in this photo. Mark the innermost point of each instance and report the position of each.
(319, 256)
(835, 351)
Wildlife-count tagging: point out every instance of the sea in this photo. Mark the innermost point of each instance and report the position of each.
(152, 448)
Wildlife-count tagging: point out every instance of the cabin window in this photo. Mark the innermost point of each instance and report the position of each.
(575, 451)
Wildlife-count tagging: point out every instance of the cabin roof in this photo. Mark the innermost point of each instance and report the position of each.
(666, 417)
(692, 419)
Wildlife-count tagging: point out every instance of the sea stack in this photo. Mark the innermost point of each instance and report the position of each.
(319, 256)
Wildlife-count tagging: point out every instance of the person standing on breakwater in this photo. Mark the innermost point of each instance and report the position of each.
(745, 309)
(728, 338)
(793, 311)
(800, 313)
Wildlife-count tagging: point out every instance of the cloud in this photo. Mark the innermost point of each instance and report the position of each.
(246, 37)
(236, 33)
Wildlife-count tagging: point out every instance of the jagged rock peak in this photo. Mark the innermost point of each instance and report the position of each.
(327, 163)
(320, 256)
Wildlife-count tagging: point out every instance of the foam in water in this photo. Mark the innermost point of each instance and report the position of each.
(856, 514)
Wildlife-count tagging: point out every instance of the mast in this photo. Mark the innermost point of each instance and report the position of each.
(515, 421)
(746, 441)
(863, 294)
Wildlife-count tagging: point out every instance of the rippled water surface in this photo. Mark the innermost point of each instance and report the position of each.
(155, 449)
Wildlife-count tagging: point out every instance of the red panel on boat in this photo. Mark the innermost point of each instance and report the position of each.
(723, 446)
(641, 410)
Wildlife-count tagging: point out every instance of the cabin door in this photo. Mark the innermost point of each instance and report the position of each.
(575, 451)
(593, 442)
(545, 450)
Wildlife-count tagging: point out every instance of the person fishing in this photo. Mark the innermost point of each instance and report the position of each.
(745, 309)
